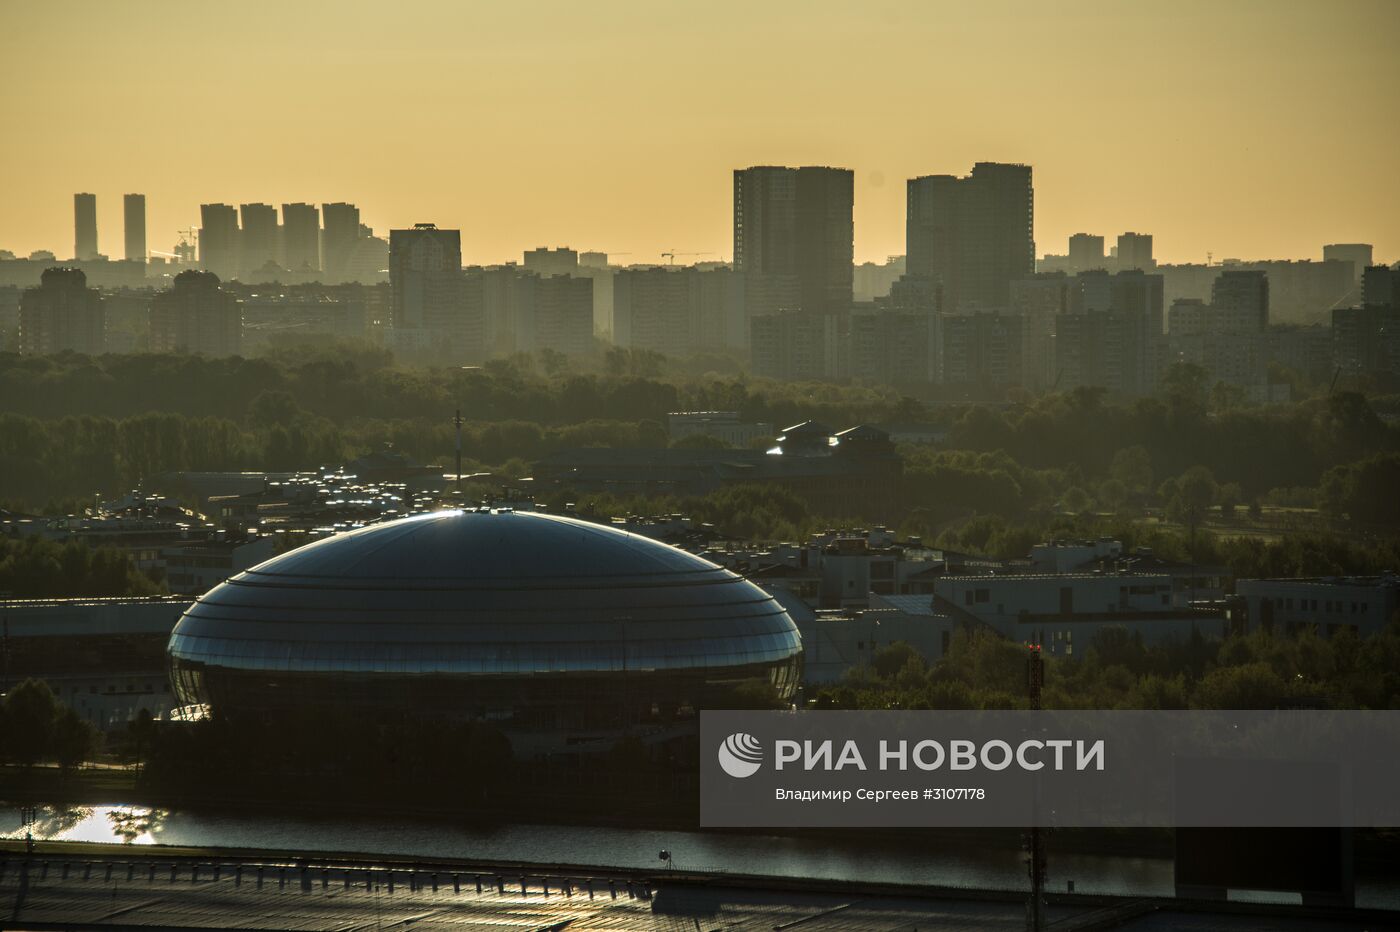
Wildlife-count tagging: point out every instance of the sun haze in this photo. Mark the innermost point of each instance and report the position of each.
(1243, 129)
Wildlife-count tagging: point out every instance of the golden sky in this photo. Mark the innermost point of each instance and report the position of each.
(1246, 129)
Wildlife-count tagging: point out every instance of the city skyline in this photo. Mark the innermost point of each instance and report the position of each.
(644, 169)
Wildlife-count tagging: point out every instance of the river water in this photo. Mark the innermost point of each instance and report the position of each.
(853, 858)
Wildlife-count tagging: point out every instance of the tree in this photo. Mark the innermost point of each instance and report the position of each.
(1191, 497)
(1113, 495)
(1186, 385)
(893, 658)
(29, 716)
(1229, 495)
(1250, 686)
(699, 442)
(1132, 466)
(1076, 500)
(72, 738)
(1224, 397)
(1365, 490)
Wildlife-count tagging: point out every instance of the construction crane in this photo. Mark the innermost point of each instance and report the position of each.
(186, 250)
(672, 255)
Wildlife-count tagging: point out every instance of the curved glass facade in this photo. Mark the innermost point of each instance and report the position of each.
(528, 620)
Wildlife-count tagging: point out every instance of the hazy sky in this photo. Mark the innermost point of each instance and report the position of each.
(1247, 129)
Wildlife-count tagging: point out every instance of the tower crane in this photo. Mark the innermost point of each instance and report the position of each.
(672, 255)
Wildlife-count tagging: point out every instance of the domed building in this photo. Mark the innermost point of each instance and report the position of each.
(532, 622)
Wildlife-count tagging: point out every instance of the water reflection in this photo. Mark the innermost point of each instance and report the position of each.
(911, 860)
(136, 824)
(50, 821)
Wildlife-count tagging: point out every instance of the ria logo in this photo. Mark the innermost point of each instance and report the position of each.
(740, 755)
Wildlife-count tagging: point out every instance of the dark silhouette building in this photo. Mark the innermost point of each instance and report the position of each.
(1086, 252)
(63, 313)
(1358, 254)
(134, 226)
(1135, 252)
(258, 238)
(85, 227)
(1111, 333)
(219, 239)
(563, 316)
(676, 311)
(794, 238)
(196, 316)
(973, 235)
(1380, 286)
(1244, 296)
(425, 276)
(301, 237)
(339, 240)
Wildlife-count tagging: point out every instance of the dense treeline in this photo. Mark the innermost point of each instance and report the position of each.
(348, 383)
(71, 424)
(1259, 448)
(1259, 671)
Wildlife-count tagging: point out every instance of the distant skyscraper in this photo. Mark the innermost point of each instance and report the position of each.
(425, 276)
(84, 226)
(63, 313)
(134, 222)
(795, 347)
(794, 238)
(676, 311)
(1111, 333)
(981, 350)
(890, 346)
(1366, 339)
(218, 239)
(258, 238)
(196, 316)
(339, 240)
(1039, 301)
(1380, 287)
(563, 316)
(546, 261)
(301, 237)
(1085, 252)
(1135, 252)
(1244, 297)
(1358, 254)
(974, 235)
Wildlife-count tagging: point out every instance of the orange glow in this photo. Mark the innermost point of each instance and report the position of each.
(1247, 129)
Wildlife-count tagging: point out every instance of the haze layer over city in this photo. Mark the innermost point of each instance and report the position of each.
(450, 454)
(1250, 129)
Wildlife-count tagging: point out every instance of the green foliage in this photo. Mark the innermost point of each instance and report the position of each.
(34, 727)
(70, 425)
(1132, 466)
(699, 442)
(1367, 490)
(33, 568)
(1117, 671)
(1189, 497)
